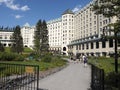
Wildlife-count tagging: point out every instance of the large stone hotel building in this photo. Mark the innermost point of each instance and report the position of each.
(73, 33)
(80, 33)
(61, 32)
(27, 33)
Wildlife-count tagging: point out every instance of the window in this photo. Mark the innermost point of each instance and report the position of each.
(110, 42)
(76, 47)
(94, 17)
(82, 46)
(64, 48)
(118, 42)
(87, 46)
(100, 23)
(91, 45)
(94, 22)
(97, 44)
(103, 44)
(5, 37)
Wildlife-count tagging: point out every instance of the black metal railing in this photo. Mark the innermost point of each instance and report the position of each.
(97, 78)
(19, 77)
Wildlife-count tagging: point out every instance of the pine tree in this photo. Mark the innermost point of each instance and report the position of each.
(18, 41)
(44, 38)
(37, 38)
(41, 38)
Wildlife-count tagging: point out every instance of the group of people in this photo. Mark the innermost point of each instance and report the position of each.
(82, 58)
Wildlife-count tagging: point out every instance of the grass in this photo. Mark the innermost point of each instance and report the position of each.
(42, 65)
(15, 69)
(7, 49)
(56, 61)
(26, 50)
(25, 53)
(104, 63)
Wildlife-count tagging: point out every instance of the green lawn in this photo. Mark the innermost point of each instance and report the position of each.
(45, 63)
(42, 65)
(104, 63)
(7, 49)
(26, 50)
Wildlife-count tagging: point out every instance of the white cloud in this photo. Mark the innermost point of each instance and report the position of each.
(77, 8)
(10, 4)
(25, 8)
(18, 16)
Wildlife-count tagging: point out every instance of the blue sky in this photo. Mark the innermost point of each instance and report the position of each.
(19, 12)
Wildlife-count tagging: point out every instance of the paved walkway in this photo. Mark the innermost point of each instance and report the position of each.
(74, 77)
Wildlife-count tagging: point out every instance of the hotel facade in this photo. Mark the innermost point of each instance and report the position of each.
(5, 38)
(27, 33)
(81, 33)
(61, 32)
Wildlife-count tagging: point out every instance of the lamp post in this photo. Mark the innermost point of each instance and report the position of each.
(116, 54)
(115, 47)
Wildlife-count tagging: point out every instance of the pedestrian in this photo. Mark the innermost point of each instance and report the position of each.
(80, 59)
(85, 60)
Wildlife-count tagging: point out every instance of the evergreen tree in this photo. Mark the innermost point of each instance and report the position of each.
(110, 9)
(44, 46)
(41, 38)
(18, 40)
(1, 28)
(1, 47)
(37, 37)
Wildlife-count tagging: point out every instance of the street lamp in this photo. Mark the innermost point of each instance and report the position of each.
(104, 37)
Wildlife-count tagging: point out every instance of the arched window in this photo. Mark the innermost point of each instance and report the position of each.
(26, 46)
(64, 48)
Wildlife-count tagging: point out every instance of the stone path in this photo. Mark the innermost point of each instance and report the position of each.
(74, 77)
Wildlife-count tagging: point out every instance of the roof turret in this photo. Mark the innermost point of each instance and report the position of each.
(68, 11)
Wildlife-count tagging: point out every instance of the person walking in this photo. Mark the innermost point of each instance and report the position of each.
(85, 60)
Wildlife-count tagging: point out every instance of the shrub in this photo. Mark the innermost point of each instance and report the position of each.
(46, 58)
(19, 58)
(111, 78)
(7, 56)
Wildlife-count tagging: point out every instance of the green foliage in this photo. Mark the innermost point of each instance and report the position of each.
(44, 37)
(7, 49)
(27, 50)
(47, 58)
(55, 62)
(37, 41)
(110, 9)
(41, 38)
(18, 41)
(1, 48)
(52, 61)
(104, 63)
(107, 64)
(111, 78)
(19, 58)
(7, 56)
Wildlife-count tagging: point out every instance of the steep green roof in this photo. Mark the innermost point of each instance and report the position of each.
(68, 11)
